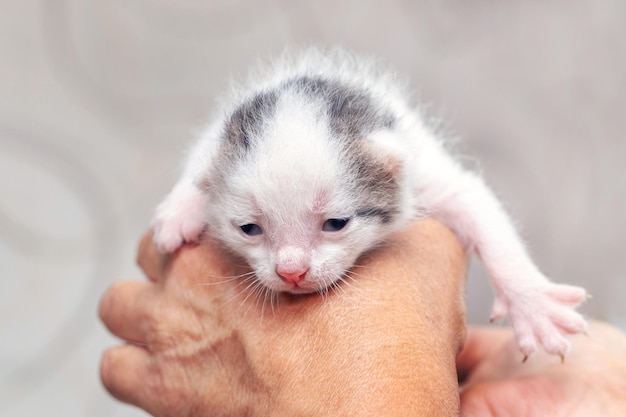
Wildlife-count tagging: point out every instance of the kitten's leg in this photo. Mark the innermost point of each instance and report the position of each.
(180, 218)
(540, 311)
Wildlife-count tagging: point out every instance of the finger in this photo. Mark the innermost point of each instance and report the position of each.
(127, 372)
(126, 310)
(121, 370)
(481, 343)
(149, 259)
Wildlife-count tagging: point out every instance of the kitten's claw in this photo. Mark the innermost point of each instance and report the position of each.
(499, 310)
(543, 315)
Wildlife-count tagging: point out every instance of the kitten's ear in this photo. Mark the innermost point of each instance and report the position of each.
(392, 163)
(384, 148)
(204, 182)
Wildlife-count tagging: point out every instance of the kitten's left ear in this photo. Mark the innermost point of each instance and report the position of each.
(384, 148)
(204, 182)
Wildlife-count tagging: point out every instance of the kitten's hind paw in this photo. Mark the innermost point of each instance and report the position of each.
(542, 315)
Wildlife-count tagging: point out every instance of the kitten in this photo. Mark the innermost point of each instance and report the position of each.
(322, 157)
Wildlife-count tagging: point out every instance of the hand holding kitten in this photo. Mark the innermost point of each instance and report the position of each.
(196, 350)
(204, 346)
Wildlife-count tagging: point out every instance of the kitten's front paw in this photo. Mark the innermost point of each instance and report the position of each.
(171, 233)
(179, 219)
(543, 315)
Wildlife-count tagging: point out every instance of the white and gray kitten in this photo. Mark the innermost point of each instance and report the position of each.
(317, 161)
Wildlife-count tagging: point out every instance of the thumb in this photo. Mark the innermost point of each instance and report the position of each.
(484, 400)
(481, 343)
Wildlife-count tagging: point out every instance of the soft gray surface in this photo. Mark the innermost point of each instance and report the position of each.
(99, 98)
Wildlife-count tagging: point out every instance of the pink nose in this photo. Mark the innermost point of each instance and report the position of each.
(293, 277)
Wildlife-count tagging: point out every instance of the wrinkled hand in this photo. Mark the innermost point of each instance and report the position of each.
(591, 382)
(201, 344)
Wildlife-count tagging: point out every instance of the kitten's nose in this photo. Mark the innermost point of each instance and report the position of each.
(293, 277)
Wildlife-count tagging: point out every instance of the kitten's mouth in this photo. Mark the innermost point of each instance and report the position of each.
(300, 290)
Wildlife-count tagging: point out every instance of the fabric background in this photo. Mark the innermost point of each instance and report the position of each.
(98, 100)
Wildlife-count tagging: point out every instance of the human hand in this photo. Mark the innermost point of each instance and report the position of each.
(591, 381)
(204, 345)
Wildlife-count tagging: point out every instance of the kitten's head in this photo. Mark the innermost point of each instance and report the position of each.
(300, 190)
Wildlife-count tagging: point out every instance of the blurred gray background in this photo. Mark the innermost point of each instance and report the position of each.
(98, 100)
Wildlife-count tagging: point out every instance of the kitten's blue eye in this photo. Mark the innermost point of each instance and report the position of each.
(251, 229)
(334, 225)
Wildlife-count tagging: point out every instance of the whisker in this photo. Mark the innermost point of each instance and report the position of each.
(273, 297)
(267, 293)
(253, 288)
(361, 266)
(350, 280)
(332, 287)
(350, 277)
(226, 279)
(255, 291)
(247, 282)
(323, 292)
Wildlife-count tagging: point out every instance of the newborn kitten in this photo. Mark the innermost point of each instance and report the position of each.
(319, 160)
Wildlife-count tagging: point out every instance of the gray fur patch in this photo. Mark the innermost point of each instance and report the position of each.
(383, 214)
(352, 112)
(375, 187)
(247, 121)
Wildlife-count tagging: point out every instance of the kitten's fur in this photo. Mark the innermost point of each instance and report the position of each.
(322, 139)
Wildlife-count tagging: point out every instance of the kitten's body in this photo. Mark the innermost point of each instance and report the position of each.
(319, 160)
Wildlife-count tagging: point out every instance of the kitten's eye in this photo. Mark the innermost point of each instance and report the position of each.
(251, 229)
(334, 225)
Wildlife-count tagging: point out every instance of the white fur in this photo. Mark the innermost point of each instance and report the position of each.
(296, 182)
